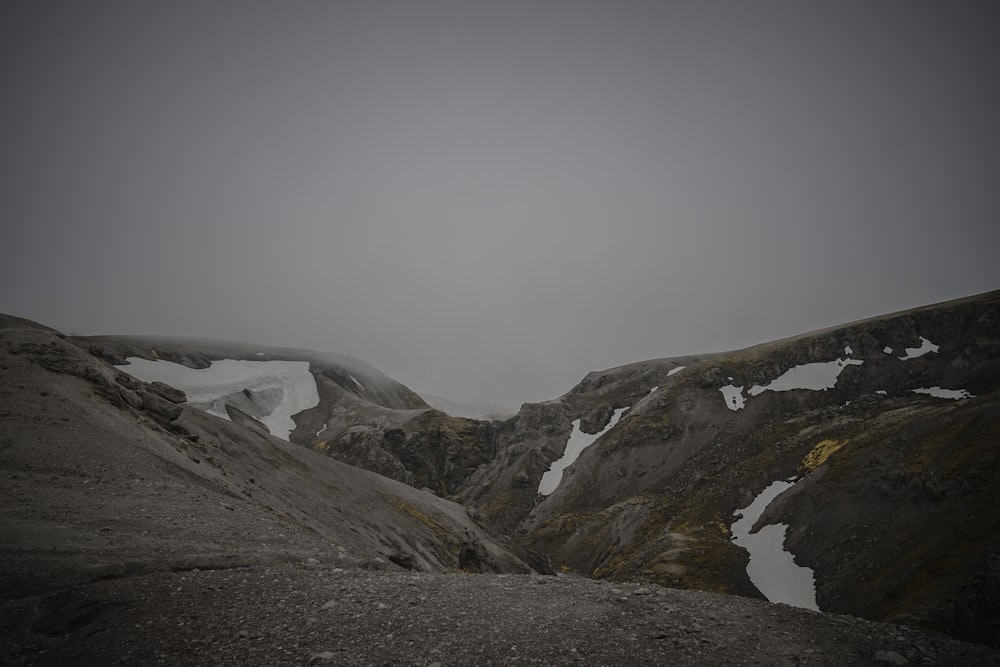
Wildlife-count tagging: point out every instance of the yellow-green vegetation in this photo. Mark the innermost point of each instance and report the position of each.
(704, 556)
(418, 514)
(929, 450)
(721, 525)
(818, 455)
(652, 529)
(687, 555)
(321, 446)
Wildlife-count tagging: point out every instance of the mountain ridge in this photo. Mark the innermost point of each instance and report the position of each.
(893, 505)
(653, 498)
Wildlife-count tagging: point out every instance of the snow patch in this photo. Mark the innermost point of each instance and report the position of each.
(321, 431)
(578, 441)
(288, 381)
(881, 392)
(925, 347)
(938, 392)
(357, 384)
(887, 349)
(734, 396)
(654, 389)
(672, 371)
(772, 569)
(818, 376)
(848, 351)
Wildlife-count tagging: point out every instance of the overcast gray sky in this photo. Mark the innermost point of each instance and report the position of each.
(486, 200)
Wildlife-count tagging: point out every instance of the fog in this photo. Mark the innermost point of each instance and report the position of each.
(488, 200)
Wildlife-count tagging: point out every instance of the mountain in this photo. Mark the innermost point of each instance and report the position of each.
(888, 427)
(139, 529)
(105, 476)
(352, 412)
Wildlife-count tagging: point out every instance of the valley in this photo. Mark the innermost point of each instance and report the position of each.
(859, 465)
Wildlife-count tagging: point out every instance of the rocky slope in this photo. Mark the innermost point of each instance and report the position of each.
(896, 507)
(363, 417)
(138, 530)
(315, 614)
(106, 476)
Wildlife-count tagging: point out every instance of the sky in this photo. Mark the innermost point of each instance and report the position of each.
(487, 200)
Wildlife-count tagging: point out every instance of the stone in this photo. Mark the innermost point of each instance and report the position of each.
(130, 397)
(402, 559)
(162, 410)
(167, 392)
(323, 656)
(890, 658)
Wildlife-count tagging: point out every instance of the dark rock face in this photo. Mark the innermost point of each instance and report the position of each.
(161, 409)
(442, 451)
(167, 392)
(892, 508)
(144, 485)
(366, 447)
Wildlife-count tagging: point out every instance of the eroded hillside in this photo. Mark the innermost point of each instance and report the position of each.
(138, 528)
(883, 434)
(109, 475)
(890, 425)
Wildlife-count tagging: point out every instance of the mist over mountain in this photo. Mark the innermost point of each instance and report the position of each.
(851, 471)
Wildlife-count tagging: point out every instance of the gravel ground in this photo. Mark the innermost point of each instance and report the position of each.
(313, 613)
(123, 543)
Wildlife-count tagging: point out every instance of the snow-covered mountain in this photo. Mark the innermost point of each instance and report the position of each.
(858, 463)
(863, 457)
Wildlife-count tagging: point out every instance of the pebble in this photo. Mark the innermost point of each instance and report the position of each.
(890, 657)
(324, 656)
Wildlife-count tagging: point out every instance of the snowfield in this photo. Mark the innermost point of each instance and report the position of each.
(938, 392)
(772, 569)
(818, 376)
(734, 397)
(284, 388)
(578, 441)
(925, 347)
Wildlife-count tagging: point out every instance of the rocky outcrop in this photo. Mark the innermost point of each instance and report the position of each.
(142, 484)
(366, 447)
(888, 425)
(505, 490)
(891, 507)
